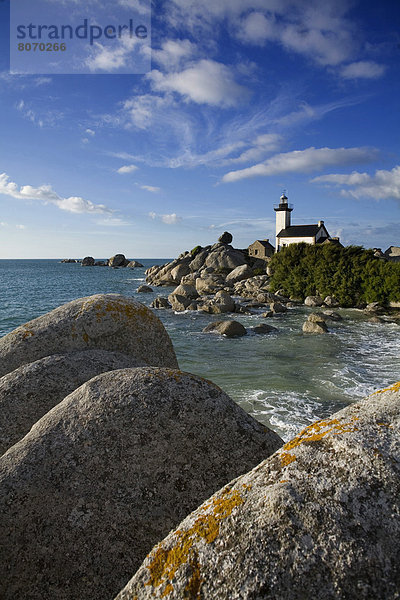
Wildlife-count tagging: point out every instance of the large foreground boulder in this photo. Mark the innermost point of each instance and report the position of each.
(30, 391)
(105, 321)
(108, 472)
(318, 519)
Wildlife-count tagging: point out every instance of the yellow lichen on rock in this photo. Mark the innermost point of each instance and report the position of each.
(116, 308)
(165, 563)
(27, 333)
(192, 588)
(318, 430)
(167, 374)
(315, 433)
(394, 388)
(287, 458)
(127, 309)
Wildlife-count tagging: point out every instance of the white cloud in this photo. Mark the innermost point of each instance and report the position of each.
(324, 47)
(19, 226)
(122, 155)
(303, 161)
(383, 185)
(22, 82)
(150, 188)
(143, 110)
(267, 142)
(112, 222)
(172, 219)
(90, 132)
(306, 112)
(44, 118)
(142, 8)
(362, 69)
(354, 178)
(321, 31)
(28, 113)
(46, 194)
(205, 82)
(39, 81)
(113, 58)
(127, 169)
(256, 29)
(173, 53)
(182, 137)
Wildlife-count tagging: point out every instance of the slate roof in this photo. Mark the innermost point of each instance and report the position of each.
(264, 243)
(392, 251)
(303, 231)
(299, 231)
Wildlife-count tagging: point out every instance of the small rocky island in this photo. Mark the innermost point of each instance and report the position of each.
(118, 260)
(220, 279)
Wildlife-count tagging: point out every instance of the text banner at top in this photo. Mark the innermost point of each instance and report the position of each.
(75, 37)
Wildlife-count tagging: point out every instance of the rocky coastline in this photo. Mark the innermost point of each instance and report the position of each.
(124, 477)
(220, 279)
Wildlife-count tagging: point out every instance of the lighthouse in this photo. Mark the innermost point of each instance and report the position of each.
(283, 210)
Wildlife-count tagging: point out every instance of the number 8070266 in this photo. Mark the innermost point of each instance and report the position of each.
(41, 47)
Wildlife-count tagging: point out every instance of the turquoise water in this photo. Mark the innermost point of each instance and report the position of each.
(285, 380)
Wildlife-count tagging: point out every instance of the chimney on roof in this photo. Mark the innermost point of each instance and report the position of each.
(320, 223)
(266, 240)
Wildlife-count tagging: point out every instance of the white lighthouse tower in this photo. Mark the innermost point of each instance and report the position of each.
(283, 210)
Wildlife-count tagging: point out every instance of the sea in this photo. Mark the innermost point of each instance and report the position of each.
(285, 380)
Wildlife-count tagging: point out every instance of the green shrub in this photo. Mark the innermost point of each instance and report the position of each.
(352, 274)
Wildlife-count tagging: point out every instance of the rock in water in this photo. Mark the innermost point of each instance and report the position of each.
(263, 328)
(118, 260)
(227, 328)
(318, 519)
(315, 324)
(160, 302)
(313, 301)
(88, 261)
(108, 472)
(105, 321)
(30, 391)
(134, 263)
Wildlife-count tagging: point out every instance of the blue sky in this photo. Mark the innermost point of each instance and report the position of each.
(245, 98)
